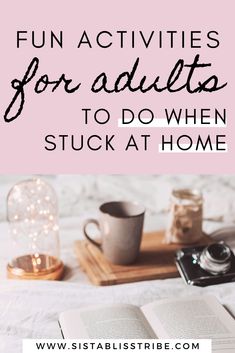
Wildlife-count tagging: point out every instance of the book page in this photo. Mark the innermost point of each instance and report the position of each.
(193, 317)
(111, 321)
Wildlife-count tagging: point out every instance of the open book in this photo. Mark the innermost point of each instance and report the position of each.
(193, 317)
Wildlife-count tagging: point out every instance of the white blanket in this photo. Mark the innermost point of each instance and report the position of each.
(31, 309)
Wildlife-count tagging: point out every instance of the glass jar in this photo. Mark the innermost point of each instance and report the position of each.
(185, 220)
(32, 213)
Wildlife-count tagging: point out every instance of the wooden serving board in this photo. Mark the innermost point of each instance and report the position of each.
(156, 260)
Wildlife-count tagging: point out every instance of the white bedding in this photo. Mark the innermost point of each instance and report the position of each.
(31, 309)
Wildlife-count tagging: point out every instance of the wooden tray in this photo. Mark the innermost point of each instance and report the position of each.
(156, 260)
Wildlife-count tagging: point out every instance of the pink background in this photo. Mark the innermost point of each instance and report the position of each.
(22, 141)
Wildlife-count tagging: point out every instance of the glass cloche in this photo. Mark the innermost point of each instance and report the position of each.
(32, 212)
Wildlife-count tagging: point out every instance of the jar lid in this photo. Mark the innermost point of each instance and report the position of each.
(187, 196)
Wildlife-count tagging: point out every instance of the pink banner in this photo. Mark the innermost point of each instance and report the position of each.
(117, 87)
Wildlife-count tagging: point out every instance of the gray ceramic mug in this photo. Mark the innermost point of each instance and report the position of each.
(121, 226)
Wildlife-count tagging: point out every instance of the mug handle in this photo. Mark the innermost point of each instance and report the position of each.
(86, 223)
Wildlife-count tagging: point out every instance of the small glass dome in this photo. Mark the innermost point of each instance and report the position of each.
(32, 212)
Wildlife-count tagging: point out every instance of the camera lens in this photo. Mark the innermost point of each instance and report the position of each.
(219, 252)
(216, 258)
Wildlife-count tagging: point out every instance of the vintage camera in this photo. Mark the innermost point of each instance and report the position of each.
(205, 266)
